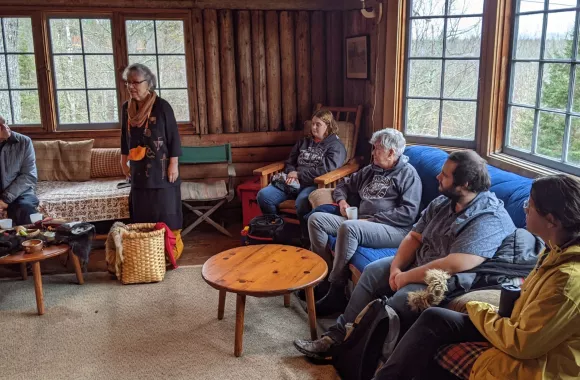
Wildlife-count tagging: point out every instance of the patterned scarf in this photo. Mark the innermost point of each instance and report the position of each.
(137, 118)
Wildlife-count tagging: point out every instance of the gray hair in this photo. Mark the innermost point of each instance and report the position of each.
(143, 70)
(2, 120)
(390, 138)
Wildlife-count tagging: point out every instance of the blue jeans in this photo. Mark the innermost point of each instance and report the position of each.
(270, 197)
(374, 283)
(21, 208)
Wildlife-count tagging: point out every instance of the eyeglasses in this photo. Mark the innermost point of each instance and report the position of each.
(129, 84)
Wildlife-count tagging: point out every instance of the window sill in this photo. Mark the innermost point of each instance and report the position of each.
(520, 166)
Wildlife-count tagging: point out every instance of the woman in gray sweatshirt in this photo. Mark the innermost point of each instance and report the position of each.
(312, 156)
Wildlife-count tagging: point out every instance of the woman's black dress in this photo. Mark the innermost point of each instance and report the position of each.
(153, 198)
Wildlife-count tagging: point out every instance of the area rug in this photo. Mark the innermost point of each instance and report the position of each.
(168, 330)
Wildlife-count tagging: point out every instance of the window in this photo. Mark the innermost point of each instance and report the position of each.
(160, 45)
(442, 71)
(19, 103)
(84, 73)
(543, 118)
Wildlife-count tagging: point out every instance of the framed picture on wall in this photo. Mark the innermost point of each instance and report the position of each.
(357, 57)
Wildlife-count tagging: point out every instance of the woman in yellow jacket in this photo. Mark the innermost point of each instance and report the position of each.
(541, 338)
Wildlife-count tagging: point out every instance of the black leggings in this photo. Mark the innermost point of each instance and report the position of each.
(413, 356)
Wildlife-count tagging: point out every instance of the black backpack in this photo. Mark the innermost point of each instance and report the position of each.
(369, 342)
(265, 229)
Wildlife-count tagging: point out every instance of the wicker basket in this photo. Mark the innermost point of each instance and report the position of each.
(143, 254)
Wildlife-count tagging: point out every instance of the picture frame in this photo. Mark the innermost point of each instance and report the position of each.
(357, 50)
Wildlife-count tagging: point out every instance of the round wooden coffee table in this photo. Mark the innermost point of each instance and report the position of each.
(35, 258)
(264, 271)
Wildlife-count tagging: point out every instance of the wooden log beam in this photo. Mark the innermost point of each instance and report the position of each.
(253, 139)
(334, 58)
(259, 72)
(243, 169)
(199, 59)
(304, 80)
(228, 72)
(187, 4)
(245, 78)
(288, 58)
(261, 154)
(212, 68)
(317, 43)
(273, 71)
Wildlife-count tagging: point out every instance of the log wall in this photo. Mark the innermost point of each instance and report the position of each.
(265, 70)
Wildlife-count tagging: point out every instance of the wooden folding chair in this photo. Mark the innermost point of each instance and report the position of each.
(216, 192)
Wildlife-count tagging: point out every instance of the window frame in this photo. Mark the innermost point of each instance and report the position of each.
(36, 22)
(81, 127)
(405, 23)
(559, 165)
(186, 17)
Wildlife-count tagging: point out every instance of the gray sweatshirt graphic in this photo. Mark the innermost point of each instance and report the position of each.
(387, 196)
(312, 159)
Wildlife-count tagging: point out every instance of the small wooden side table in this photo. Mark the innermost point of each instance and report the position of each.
(35, 259)
(264, 271)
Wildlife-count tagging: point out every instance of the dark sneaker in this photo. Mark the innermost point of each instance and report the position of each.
(333, 302)
(316, 349)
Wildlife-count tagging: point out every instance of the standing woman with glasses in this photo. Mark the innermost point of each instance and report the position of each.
(541, 337)
(150, 144)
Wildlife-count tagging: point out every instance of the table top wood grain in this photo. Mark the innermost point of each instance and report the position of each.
(264, 270)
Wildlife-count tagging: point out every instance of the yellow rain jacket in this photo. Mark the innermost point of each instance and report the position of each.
(541, 339)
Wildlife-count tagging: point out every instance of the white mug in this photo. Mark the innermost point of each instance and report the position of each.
(6, 224)
(352, 213)
(35, 217)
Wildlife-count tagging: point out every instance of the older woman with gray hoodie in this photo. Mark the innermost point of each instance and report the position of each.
(389, 190)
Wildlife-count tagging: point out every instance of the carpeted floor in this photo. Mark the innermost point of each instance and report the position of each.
(105, 330)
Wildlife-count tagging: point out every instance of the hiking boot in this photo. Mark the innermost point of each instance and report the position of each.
(316, 349)
(320, 291)
(333, 302)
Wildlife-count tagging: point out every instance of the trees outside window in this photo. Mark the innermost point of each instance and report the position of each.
(443, 70)
(543, 118)
(84, 72)
(19, 103)
(160, 45)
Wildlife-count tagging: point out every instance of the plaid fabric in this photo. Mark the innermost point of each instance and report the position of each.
(200, 191)
(106, 162)
(63, 160)
(459, 358)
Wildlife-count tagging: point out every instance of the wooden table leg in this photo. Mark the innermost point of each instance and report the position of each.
(287, 300)
(311, 312)
(240, 309)
(221, 304)
(23, 271)
(38, 287)
(78, 268)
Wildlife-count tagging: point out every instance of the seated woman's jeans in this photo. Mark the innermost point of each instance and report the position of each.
(270, 197)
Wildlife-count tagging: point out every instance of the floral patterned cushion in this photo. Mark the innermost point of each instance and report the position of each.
(89, 201)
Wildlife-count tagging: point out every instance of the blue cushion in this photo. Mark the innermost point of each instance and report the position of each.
(363, 255)
(511, 188)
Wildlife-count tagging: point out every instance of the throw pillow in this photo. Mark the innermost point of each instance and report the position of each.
(106, 162)
(63, 160)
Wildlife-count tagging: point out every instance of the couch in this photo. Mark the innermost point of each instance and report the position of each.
(79, 182)
(511, 188)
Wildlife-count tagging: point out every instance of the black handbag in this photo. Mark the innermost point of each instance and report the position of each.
(265, 229)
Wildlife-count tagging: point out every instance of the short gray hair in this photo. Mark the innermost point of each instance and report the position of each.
(143, 70)
(390, 138)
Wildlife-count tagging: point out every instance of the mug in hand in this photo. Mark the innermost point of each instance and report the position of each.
(352, 213)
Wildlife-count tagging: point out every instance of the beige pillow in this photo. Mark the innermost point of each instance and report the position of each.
(63, 160)
(320, 197)
(106, 162)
